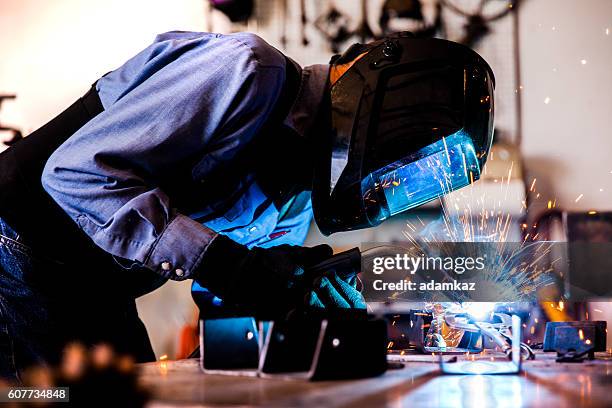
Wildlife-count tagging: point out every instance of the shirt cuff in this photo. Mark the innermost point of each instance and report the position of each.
(179, 249)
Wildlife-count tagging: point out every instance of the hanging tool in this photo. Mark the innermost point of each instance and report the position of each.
(334, 25)
(422, 20)
(304, 21)
(363, 30)
(16, 133)
(283, 38)
(477, 25)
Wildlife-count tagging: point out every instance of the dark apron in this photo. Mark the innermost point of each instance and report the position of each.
(87, 297)
(44, 226)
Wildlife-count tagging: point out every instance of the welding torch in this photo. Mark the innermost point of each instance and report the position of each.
(346, 264)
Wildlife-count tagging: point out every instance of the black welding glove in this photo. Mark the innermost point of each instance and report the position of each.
(258, 278)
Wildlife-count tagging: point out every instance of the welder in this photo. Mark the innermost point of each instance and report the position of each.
(204, 157)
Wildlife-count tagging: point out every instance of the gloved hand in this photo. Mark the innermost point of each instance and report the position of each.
(260, 279)
(330, 291)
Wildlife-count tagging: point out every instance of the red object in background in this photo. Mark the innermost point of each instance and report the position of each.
(188, 340)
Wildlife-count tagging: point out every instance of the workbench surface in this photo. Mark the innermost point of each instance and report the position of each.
(543, 383)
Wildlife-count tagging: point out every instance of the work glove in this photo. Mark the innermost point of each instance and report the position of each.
(331, 291)
(259, 279)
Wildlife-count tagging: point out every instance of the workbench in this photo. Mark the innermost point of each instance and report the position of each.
(543, 383)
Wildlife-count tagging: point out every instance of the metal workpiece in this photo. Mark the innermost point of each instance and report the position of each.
(543, 383)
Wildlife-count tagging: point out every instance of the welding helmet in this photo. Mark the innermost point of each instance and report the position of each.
(410, 120)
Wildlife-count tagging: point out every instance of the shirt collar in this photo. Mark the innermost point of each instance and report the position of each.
(312, 87)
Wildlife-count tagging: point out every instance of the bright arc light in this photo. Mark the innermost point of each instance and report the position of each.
(479, 310)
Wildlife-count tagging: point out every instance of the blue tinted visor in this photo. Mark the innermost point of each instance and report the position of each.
(435, 170)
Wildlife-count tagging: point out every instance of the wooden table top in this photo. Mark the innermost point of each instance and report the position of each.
(543, 383)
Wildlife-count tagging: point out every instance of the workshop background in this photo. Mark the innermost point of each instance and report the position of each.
(552, 60)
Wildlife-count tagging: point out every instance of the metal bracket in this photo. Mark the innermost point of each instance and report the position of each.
(312, 349)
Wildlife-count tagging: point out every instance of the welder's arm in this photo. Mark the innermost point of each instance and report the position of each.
(277, 277)
(104, 176)
(259, 278)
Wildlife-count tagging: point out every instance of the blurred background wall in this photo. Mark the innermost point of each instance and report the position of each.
(552, 61)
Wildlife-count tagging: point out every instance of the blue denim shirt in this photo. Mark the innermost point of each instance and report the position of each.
(186, 93)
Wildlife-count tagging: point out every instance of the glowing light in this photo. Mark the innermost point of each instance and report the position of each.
(587, 341)
(163, 364)
(561, 305)
(547, 100)
(579, 197)
(479, 310)
(583, 61)
(532, 188)
(581, 334)
(592, 212)
(607, 31)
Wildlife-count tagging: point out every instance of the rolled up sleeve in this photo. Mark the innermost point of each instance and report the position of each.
(207, 101)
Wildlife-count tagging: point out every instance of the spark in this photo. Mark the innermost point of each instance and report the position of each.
(163, 364)
(579, 197)
(475, 221)
(581, 334)
(547, 100)
(446, 150)
(561, 305)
